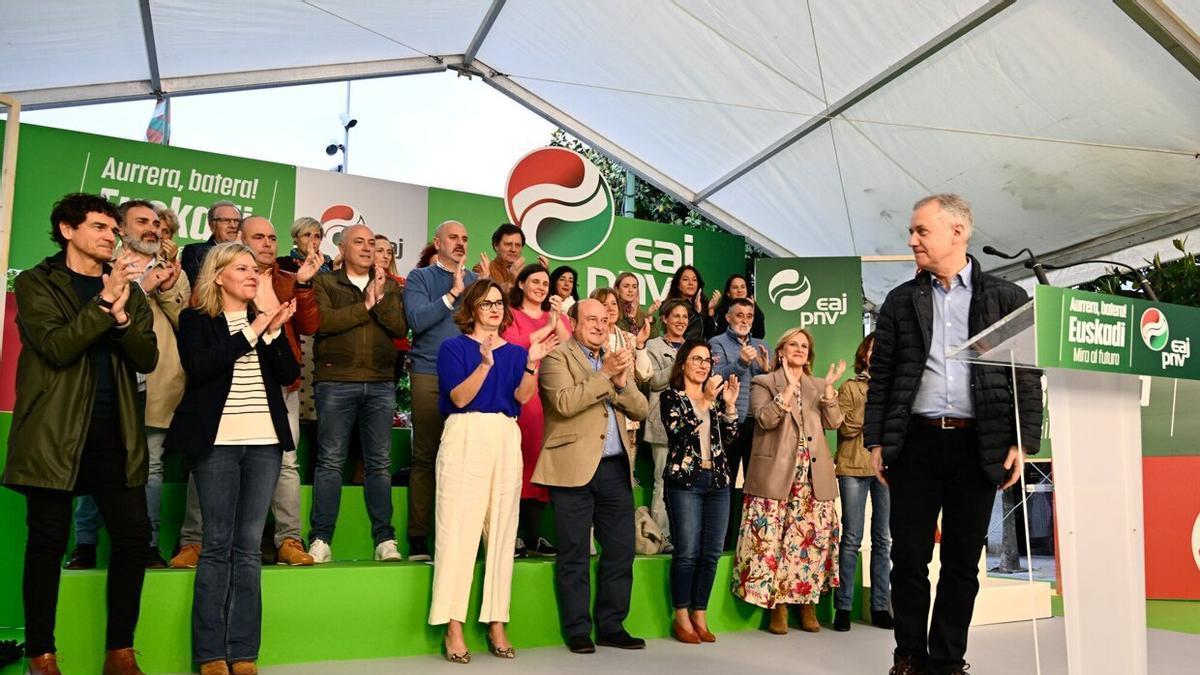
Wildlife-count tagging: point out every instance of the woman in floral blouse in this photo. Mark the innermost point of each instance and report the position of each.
(787, 551)
(699, 413)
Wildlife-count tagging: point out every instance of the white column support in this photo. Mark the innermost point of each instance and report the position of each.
(8, 175)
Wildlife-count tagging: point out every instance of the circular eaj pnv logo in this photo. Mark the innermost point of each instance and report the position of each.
(561, 201)
(1155, 331)
(789, 290)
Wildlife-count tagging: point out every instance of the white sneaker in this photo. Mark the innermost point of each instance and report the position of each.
(386, 552)
(320, 552)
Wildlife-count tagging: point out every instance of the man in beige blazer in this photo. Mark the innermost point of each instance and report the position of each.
(587, 462)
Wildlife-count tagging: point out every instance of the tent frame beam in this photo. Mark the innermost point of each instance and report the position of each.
(932, 46)
(539, 106)
(1153, 229)
(137, 90)
(1167, 29)
(481, 33)
(151, 46)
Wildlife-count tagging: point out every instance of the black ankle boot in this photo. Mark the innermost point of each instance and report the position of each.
(841, 620)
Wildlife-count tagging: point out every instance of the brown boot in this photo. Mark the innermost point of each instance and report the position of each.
(214, 668)
(808, 619)
(291, 552)
(45, 664)
(187, 558)
(121, 662)
(779, 620)
(244, 668)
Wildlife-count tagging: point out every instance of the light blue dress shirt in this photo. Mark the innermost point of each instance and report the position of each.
(612, 438)
(946, 384)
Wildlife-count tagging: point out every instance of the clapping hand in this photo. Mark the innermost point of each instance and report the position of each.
(282, 315)
(747, 354)
(486, 347)
(730, 393)
(544, 262)
(764, 360)
(712, 388)
(643, 334)
(616, 365)
(485, 266)
(310, 267)
(835, 371)
(714, 301)
(265, 319)
(555, 307)
(539, 350)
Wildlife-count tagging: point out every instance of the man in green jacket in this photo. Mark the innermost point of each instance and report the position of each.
(77, 428)
(354, 362)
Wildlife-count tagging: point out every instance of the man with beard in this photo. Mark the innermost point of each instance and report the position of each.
(431, 296)
(275, 287)
(735, 352)
(224, 220)
(167, 291)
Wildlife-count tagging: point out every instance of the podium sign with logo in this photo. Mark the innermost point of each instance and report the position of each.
(1093, 347)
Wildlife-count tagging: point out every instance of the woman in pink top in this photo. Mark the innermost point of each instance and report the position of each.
(535, 313)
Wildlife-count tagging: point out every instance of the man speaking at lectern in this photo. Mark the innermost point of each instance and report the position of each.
(942, 432)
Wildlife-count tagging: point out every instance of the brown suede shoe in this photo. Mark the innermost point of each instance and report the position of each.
(121, 662)
(907, 665)
(244, 668)
(214, 668)
(44, 664)
(779, 620)
(291, 552)
(808, 619)
(187, 558)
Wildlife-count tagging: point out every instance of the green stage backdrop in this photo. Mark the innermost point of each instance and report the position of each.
(823, 295)
(651, 250)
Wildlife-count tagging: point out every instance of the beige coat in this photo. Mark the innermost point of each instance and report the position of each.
(164, 385)
(576, 418)
(777, 434)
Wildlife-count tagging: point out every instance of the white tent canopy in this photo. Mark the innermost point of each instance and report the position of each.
(810, 126)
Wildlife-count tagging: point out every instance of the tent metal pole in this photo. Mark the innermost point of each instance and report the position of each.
(481, 33)
(1167, 29)
(935, 44)
(8, 176)
(648, 173)
(151, 46)
(138, 90)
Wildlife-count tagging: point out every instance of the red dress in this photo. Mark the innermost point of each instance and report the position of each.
(531, 421)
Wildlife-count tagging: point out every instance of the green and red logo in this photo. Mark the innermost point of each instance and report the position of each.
(562, 203)
(1155, 330)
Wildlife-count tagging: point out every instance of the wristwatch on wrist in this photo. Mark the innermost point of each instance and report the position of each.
(99, 300)
(529, 370)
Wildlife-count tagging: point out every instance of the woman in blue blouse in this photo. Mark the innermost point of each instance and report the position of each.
(483, 381)
(699, 414)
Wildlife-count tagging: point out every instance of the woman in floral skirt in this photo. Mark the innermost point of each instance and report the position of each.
(787, 551)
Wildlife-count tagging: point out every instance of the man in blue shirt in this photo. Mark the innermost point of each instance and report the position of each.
(943, 433)
(735, 352)
(431, 295)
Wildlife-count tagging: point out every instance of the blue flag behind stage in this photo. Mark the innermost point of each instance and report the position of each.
(159, 129)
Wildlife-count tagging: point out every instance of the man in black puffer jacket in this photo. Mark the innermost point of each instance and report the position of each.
(943, 434)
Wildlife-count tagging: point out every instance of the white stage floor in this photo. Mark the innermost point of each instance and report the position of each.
(1005, 649)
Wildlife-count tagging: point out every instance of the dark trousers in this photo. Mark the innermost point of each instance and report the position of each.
(937, 471)
(606, 502)
(48, 519)
(739, 453)
(427, 423)
(699, 514)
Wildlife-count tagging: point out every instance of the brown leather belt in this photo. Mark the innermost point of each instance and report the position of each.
(944, 422)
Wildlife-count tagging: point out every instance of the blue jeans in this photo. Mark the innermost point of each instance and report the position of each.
(340, 407)
(854, 491)
(699, 515)
(234, 484)
(87, 515)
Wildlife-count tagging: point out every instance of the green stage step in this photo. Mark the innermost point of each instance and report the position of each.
(361, 610)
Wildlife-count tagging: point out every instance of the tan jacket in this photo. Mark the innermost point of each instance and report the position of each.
(852, 458)
(777, 434)
(576, 419)
(164, 385)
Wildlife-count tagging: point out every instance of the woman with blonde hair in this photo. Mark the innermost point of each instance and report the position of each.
(787, 550)
(232, 426)
(307, 234)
